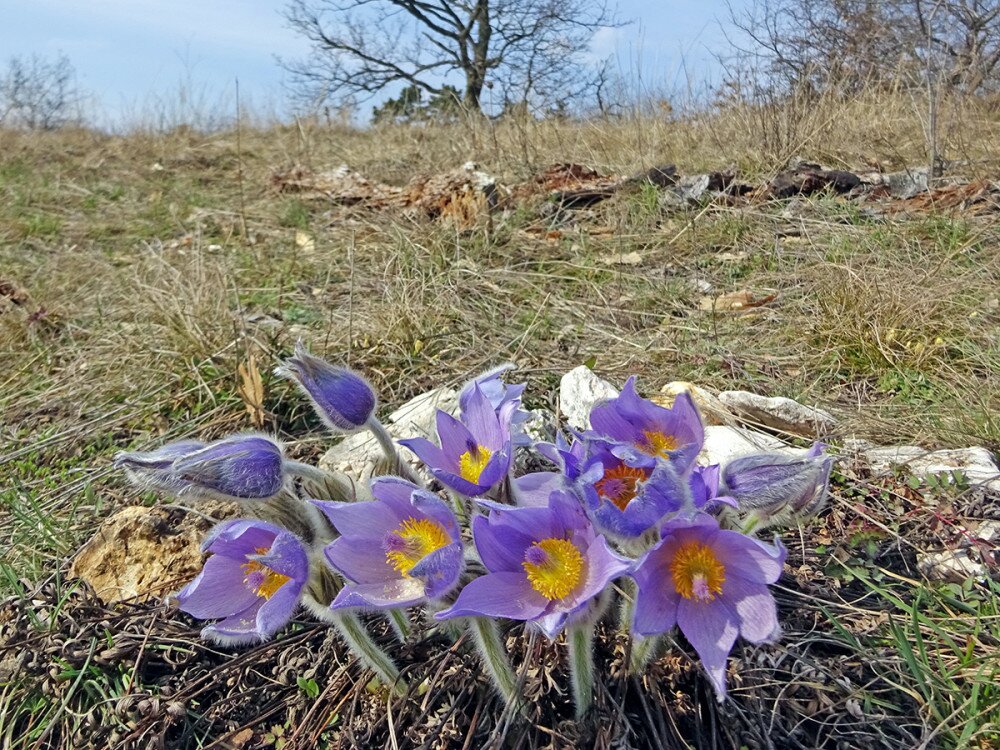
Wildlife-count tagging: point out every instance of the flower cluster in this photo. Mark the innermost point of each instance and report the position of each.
(624, 510)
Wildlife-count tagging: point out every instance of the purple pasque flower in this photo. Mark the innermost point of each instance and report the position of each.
(401, 549)
(546, 565)
(646, 432)
(776, 483)
(499, 394)
(341, 397)
(535, 488)
(624, 501)
(493, 387)
(713, 584)
(239, 467)
(627, 501)
(252, 583)
(475, 452)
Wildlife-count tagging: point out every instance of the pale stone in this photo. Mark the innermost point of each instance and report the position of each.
(780, 413)
(140, 552)
(540, 426)
(988, 531)
(360, 456)
(580, 390)
(723, 443)
(713, 411)
(950, 565)
(975, 463)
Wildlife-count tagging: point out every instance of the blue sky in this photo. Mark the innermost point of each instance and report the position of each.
(129, 54)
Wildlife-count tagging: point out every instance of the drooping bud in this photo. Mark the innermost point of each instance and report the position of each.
(341, 397)
(241, 467)
(775, 486)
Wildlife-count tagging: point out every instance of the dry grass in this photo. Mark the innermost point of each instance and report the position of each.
(144, 297)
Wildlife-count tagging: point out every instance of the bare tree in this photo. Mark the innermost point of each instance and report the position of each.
(848, 44)
(37, 93)
(528, 50)
(967, 33)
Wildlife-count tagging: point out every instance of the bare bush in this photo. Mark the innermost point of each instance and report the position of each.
(38, 94)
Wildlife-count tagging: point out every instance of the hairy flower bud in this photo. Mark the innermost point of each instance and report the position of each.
(776, 486)
(343, 399)
(241, 467)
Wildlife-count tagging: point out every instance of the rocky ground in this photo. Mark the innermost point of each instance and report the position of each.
(148, 285)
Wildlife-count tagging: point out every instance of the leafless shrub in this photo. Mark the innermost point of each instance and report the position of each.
(38, 94)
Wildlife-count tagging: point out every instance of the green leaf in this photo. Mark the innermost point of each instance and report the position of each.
(308, 686)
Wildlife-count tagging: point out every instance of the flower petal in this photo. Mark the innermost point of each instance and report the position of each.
(533, 490)
(236, 630)
(436, 509)
(218, 590)
(457, 483)
(428, 453)
(755, 608)
(275, 613)
(500, 547)
(371, 518)
(603, 566)
(481, 419)
(439, 570)
(749, 558)
(240, 537)
(455, 439)
(360, 559)
(497, 595)
(656, 598)
(287, 556)
(400, 592)
(711, 628)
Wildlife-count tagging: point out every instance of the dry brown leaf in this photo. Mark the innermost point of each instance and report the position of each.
(240, 739)
(740, 300)
(251, 390)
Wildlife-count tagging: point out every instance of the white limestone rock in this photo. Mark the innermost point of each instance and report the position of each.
(580, 390)
(975, 463)
(723, 443)
(780, 413)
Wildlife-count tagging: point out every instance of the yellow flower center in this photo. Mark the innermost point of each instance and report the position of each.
(412, 541)
(657, 443)
(261, 579)
(472, 462)
(554, 567)
(697, 572)
(618, 484)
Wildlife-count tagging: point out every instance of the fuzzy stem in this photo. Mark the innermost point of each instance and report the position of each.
(298, 516)
(460, 503)
(321, 484)
(642, 651)
(400, 623)
(362, 645)
(384, 439)
(581, 666)
(494, 656)
(626, 606)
